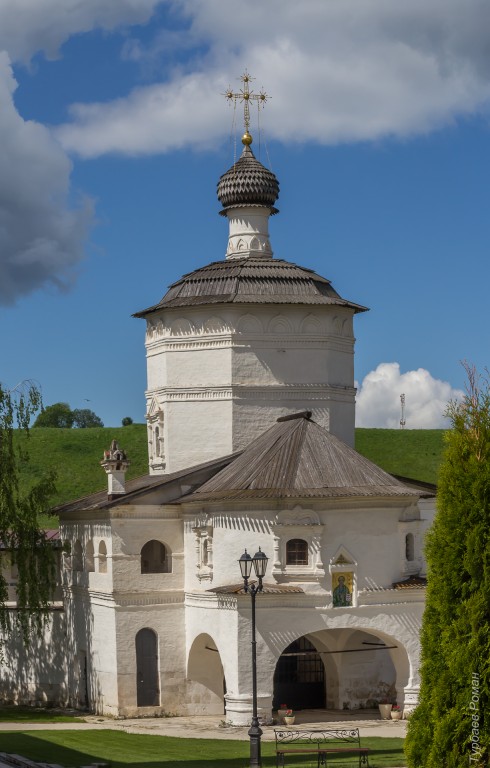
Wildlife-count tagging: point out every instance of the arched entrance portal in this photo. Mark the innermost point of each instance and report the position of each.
(205, 677)
(346, 668)
(299, 679)
(147, 682)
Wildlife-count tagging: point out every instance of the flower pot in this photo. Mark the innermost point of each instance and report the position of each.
(385, 711)
(396, 714)
(289, 720)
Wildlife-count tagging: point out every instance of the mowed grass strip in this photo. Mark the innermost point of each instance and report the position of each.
(120, 750)
(12, 714)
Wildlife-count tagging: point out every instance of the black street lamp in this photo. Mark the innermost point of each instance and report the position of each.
(259, 562)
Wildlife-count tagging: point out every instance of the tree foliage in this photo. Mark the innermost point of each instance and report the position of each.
(24, 543)
(127, 421)
(451, 725)
(57, 415)
(84, 418)
(60, 415)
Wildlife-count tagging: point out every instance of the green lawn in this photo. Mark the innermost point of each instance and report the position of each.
(35, 715)
(75, 454)
(414, 453)
(77, 748)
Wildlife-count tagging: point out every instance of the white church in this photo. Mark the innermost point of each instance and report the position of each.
(250, 411)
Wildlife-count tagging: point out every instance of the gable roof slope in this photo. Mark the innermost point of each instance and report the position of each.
(297, 457)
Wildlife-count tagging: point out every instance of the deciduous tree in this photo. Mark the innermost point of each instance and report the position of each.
(21, 536)
(56, 415)
(451, 725)
(84, 418)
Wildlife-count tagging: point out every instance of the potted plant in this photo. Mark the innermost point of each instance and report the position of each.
(396, 713)
(282, 711)
(289, 717)
(384, 710)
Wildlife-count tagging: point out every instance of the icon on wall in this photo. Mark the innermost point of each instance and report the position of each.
(342, 585)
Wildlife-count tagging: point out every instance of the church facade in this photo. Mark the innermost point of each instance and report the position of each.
(250, 412)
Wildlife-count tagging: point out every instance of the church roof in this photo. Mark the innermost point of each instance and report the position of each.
(299, 458)
(251, 280)
(248, 182)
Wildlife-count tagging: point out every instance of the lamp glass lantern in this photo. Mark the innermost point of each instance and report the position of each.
(260, 561)
(245, 565)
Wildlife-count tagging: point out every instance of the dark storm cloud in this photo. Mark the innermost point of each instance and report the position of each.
(41, 236)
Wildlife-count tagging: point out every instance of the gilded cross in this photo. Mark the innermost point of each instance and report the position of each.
(245, 95)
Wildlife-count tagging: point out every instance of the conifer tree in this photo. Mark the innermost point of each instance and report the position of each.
(22, 541)
(451, 725)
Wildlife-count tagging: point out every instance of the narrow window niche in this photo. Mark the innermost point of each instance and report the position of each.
(298, 537)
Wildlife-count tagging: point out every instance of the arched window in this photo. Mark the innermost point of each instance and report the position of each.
(102, 557)
(77, 557)
(409, 547)
(155, 558)
(297, 552)
(89, 556)
(157, 441)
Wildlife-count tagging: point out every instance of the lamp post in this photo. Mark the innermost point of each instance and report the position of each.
(259, 562)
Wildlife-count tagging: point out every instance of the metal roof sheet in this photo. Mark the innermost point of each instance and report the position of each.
(267, 589)
(413, 582)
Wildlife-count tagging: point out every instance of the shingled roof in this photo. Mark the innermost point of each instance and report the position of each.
(251, 280)
(299, 458)
(247, 183)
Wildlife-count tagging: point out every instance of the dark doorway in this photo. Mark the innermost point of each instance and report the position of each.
(299, 679)
(83, 680)
(147, 683)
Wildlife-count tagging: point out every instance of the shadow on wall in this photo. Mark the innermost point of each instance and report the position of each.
(84, 689)
(36, 675)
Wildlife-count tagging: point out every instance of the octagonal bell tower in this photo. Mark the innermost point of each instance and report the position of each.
(240, 342)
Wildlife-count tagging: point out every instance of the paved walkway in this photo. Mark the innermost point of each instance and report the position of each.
(214, 726)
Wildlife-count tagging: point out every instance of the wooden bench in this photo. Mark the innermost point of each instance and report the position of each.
(320, 743)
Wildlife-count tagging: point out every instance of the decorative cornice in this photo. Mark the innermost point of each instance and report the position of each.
(390, 596)
(160, 598)
(303, 392)
(239, 341)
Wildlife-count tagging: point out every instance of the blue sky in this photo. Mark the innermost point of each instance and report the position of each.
(114, 133)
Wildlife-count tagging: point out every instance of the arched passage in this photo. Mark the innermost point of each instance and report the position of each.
(206, 677)
(343, 668)
(299, 677)
(147, 679)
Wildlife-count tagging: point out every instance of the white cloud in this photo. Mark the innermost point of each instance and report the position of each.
(426, 398)
(41, 237)
(29, 26)
(337, 72)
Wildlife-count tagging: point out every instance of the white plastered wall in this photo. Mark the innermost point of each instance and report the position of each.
(221, 375)
(367, 531)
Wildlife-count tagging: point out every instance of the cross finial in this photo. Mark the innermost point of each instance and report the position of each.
(245, 95)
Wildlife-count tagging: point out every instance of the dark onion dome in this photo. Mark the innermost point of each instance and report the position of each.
(248, 182)
(250, 280)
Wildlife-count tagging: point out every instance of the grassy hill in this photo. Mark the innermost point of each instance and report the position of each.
(75, 454)
(414, 453)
